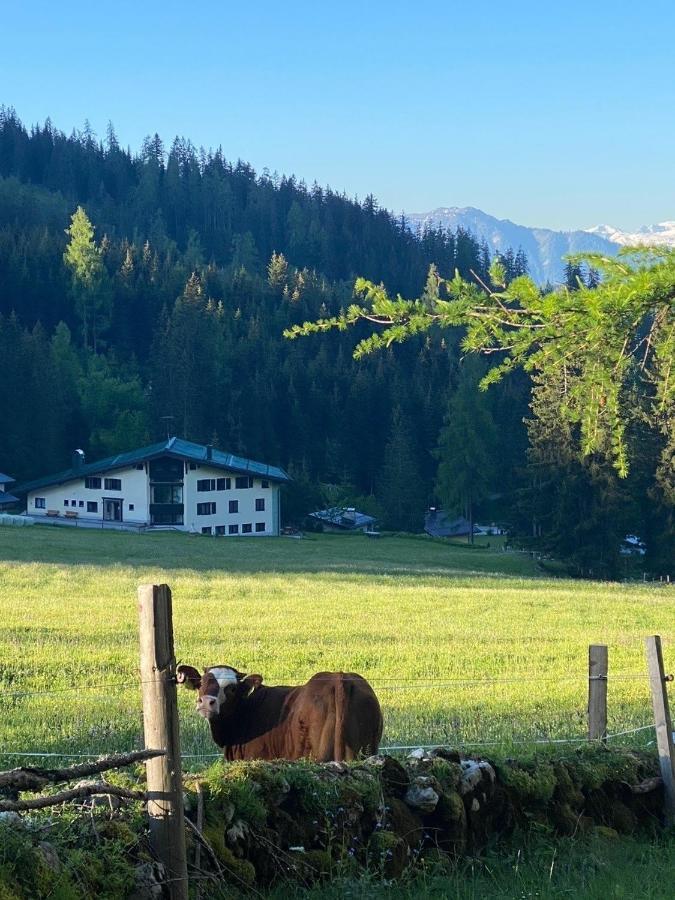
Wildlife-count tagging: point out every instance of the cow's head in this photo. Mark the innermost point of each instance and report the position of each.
(220, 688)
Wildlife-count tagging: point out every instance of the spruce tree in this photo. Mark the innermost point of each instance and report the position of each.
(466, 449)
(401, 491)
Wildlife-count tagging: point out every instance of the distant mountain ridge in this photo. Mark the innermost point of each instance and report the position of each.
(545, 248)
(661, 233)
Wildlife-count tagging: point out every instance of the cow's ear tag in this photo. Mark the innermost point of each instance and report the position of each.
(253, 682)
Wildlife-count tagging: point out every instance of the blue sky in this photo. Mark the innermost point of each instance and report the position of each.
(555, 114)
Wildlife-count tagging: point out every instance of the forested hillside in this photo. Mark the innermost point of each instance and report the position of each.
(145, 293)
(204, 263)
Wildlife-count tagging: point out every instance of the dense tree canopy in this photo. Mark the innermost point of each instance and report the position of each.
(600, 341)
(602, 352)
(147, 292)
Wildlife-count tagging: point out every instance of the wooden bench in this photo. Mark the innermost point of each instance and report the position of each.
(52, 513)
(70, 514)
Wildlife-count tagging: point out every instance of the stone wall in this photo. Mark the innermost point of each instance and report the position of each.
(266, 821)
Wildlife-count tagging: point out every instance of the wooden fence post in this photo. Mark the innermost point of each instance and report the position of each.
(663, 724)
(160, 722)
(597, 692)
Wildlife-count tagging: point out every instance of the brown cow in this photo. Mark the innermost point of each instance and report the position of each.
(335, 716)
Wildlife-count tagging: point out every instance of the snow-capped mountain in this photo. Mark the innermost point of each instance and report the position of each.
(544, 247)
(663, 233)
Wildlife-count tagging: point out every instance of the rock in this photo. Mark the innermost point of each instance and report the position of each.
(148, 878)
(11, 818)
(448, 823)
(237, 832)
(315, 865)
(227, 812)
(473, 773)
(403, 822)
(423, 794)
(389, 853)
(49, 855)
(417, 754)
(438, 862)
(393, 776)
(449, 755)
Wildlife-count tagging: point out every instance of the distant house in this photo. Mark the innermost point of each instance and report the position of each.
(438, 523)
(175, 484)
(340, 518)
(6, 499)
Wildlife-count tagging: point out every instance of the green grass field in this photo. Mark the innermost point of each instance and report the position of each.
(462, 645)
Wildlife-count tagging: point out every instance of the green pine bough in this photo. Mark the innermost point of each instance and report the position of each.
(611, 346)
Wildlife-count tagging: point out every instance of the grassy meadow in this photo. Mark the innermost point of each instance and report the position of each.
(463, 645)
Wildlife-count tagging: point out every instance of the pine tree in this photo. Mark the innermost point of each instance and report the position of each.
(466, 448)
(401, 490)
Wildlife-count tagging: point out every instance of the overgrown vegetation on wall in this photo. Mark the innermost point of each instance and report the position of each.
(300, 824)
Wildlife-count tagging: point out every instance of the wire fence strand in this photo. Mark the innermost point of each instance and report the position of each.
(505, 742)
(382, 684)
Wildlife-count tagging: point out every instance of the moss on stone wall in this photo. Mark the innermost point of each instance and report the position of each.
(271, 822)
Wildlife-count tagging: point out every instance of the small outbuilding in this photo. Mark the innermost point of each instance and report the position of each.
(342, 519)
(439, 523)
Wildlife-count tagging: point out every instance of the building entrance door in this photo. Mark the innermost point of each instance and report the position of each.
(112, 510)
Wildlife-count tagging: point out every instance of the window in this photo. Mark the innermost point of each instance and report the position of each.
(92, 506)
(264, 484)
(40, 502)
(220, 529)
(233, 506)
(246, 529)
(243, 482)
(166, 516)
(259, 526)
(206, 484)
(206, 529)
(224, 484)
(206, 509)
(80, 503)
(131, 507)
(260, 504)
(112, 484)
(167, 493)
(65, 503)
(233, 529)
(92, 484)
(166, 469)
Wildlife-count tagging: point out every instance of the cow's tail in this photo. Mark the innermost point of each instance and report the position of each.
(339, 746)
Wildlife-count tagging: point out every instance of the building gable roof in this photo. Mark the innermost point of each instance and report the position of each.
(6, 499)
(6, 479)
(438, 523)
(176, 447)
(342, 517)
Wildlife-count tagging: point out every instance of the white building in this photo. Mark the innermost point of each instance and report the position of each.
(175, 484)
